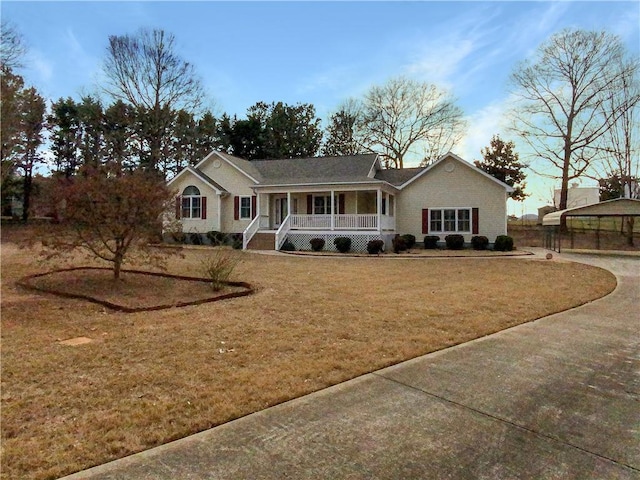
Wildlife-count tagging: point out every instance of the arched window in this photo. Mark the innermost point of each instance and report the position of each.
(191, 203)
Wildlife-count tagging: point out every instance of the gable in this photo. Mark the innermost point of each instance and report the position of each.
(227, 175)
(451, 179)
(190, 176)
(452, 161)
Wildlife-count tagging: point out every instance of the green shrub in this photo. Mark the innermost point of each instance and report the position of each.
(195, 239)
(399, 245)
(234, 240)
(216, 238)
(219, 266)
(317, 244)
(343, 244)
(479, 242)
(454, 241)
(409, 240)
(431, 242)
(287, 246)
(503, 243)
(374, 247)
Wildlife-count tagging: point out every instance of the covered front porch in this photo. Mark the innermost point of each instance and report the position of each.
(347, 212)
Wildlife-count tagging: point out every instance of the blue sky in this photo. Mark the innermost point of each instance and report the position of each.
(321, 52)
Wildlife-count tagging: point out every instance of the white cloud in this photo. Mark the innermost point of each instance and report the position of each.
(41, 66)
(451, 54)
(481, 126)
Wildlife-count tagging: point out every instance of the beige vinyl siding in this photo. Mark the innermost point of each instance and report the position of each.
(237, 184)
(461, 188)
(197, 225)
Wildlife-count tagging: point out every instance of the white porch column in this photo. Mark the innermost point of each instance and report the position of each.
(257, 212)
(333, 225)
(288, 204)
(219, 212)
(393, 223)
(379, 195)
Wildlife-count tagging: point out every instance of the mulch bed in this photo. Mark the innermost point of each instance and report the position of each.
(136, 291)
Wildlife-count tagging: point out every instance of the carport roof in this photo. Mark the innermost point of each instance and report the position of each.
(618, 207)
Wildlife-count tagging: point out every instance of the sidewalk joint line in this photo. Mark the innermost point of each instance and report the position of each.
(502, 420)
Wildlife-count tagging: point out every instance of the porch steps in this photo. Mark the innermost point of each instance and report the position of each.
(262, 241)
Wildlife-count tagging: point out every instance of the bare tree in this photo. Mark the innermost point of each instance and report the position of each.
(620, 146)
(404, 117)
(145, 71)
(109, 214)
(563, 95)
(12, 47)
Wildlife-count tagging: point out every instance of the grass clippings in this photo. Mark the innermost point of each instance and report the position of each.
(148, 378)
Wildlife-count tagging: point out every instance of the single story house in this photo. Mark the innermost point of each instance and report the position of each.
(270, 201)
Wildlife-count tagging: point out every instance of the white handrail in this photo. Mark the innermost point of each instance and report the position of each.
(341, 222)
(250, 231)
(282, 232)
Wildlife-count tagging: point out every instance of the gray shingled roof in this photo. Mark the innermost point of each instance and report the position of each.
(353, 168)
(245, 165)
(207, 178)
(398, 176)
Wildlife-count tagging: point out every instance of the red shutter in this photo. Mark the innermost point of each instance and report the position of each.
(309, 204)
(254, 203)
(236, 208)
(341, 204)
(178, 207)
(425, 220)
(474, 221)
(204, 208)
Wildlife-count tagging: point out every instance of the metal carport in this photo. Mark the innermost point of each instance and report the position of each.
(619, 207)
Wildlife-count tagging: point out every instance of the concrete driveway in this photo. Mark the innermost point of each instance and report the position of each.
(555, 398)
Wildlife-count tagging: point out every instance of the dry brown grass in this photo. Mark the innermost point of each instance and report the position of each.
(148, 378)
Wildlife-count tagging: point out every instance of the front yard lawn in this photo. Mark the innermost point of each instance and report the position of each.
(143, 379)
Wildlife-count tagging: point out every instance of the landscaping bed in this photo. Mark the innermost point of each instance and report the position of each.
(134, 291)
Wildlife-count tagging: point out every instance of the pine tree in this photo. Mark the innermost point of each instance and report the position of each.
(501, 162)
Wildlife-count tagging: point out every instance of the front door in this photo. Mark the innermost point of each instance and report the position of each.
(281, 211)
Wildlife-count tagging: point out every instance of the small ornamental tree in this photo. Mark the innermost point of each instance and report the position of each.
(110, 214)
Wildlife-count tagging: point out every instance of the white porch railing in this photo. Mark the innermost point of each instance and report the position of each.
(250, 231)
(357, 222)
(310, 222)
(281, 234)
(340, 222)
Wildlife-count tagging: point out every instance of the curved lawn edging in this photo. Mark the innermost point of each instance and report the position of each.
(24, 282)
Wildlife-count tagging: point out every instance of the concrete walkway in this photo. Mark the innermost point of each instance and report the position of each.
(555, 398)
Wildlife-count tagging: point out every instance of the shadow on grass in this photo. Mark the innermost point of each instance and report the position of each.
(29, 282)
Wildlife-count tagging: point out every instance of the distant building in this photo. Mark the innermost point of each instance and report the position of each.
(542, 211)
(578, 196)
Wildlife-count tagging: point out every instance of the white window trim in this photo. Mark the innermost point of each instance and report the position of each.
(457, 209)
(326, 204)
(191, 207)
(240, 216)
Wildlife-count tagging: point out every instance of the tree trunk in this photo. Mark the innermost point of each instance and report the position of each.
(564, 187)
(26, 196)
(117, 265)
